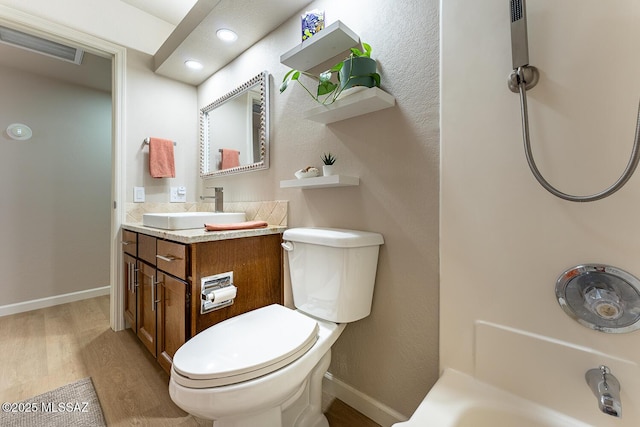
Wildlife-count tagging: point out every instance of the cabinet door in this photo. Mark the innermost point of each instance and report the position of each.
(131, 284)
(130, 242)
(147, 301)
(172, 318)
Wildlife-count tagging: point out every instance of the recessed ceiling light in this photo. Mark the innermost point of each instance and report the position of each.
(226, 35)
(194, 65)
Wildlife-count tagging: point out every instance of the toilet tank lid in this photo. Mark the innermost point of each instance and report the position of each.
(335, 237)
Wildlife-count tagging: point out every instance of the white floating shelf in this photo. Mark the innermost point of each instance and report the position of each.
(355, 104)
(324, 45)
(321, 182)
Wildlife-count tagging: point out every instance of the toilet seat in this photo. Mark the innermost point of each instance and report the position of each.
(244, 347)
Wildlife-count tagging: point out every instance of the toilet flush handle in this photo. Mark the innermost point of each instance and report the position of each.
(287, 246)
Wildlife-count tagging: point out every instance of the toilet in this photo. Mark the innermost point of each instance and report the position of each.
(265, 368)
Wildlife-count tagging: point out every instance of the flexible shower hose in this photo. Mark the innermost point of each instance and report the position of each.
(631, 166)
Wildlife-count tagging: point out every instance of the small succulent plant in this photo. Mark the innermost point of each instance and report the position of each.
(328, 159)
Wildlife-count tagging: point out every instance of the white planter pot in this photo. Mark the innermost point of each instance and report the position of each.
(327, 170)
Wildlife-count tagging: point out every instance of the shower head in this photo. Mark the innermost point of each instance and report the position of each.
(519, 41)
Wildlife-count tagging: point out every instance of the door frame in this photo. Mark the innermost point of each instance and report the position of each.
(118, 54)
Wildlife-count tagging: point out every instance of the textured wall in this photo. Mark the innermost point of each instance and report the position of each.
(391, 355)
(160, 107)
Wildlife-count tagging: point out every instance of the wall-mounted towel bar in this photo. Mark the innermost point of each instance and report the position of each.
(220, 150)
(146, 141)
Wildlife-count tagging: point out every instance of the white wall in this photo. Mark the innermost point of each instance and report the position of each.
(390, 356)
(159, 107)
(504, 239)
(56, 188)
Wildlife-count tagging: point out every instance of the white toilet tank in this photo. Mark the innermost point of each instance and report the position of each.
(332, 271)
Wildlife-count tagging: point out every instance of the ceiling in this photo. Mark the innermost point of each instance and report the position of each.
(94, 72)
(193, 24)
(195, 36)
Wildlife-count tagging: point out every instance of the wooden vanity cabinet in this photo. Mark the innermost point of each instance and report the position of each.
(167, 277)
(147, 316)
(173, 309)
(131, 293)
(130, 262)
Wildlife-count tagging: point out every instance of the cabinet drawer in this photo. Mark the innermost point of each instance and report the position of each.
(147, 248)
(172, 258)
(130, 242)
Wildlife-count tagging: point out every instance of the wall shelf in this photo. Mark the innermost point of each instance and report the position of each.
(324, 45)
(360, 101)
(321, 182)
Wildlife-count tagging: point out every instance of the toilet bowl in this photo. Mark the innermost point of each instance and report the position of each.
(272, 398)
(265, 367)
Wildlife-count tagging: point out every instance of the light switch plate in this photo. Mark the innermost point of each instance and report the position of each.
(178, 194)
(138, 194)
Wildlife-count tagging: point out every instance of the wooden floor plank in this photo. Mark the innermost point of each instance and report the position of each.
(48, 348)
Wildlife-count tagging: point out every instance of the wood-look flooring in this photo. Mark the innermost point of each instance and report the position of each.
(48, 348)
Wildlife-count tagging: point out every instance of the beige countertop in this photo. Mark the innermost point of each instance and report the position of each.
(199, 235)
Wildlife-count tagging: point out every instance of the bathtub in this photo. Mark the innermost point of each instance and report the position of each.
(459, 400)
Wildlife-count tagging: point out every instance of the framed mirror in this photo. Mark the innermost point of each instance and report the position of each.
(234, 130)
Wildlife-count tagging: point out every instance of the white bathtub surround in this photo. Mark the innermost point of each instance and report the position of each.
(459, 400)
(504, 239)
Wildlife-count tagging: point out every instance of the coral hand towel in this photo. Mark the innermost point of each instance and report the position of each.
(161, 161)
(236, 226)
(230, 158)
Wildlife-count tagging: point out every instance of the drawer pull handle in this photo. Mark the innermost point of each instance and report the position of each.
(167, 258)
(126, 242)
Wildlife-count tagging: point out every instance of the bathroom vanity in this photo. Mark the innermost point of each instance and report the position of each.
(164, 270)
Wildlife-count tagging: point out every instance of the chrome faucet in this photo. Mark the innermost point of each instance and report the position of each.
(219, 198)
(606, 388)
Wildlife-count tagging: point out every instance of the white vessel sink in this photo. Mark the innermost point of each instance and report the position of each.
(187, 220)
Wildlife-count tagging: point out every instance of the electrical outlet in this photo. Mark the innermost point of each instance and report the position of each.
(178, 194)
(138, 194)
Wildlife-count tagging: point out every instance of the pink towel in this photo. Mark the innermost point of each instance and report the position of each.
(236, 226)
(230, 158)
(161, 162)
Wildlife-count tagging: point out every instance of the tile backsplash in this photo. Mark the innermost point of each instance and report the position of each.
(274, 212)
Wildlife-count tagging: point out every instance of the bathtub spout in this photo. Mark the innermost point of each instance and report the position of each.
(606, 388)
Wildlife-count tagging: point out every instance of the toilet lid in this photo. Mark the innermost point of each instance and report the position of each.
(245, 347)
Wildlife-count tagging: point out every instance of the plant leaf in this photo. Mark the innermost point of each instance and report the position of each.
(337, 67)
(376, 79)
(356, 52)
(326, 87)
(367, 49)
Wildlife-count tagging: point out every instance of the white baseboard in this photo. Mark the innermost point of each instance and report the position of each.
(378, 412)
(35, 304)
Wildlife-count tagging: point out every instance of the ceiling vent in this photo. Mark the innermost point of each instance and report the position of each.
(40, 45)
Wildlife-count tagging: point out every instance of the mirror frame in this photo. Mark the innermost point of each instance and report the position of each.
(262, 80)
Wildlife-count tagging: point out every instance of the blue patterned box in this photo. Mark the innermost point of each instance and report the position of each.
(312, 22)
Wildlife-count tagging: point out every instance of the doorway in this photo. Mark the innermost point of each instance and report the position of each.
(117, 55)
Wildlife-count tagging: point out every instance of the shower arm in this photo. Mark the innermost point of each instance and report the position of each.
(519, 78)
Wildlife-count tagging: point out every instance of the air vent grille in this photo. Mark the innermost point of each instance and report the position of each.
(40, 45)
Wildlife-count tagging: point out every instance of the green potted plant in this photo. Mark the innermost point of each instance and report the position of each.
(327, 168)
(358, 69)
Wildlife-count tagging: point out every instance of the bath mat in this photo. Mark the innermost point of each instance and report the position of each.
(72, 405)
